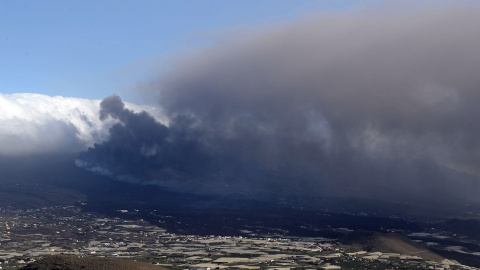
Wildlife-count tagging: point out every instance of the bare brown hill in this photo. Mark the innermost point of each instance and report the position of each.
(63, 262)
(388, 243)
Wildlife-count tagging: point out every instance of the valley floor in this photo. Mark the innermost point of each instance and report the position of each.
(28, 235)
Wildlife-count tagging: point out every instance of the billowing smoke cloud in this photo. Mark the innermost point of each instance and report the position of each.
(33, 123)
(135, 136)
(142, 150)
(380, 102)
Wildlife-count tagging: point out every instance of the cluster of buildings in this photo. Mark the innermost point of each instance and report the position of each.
(26, 235)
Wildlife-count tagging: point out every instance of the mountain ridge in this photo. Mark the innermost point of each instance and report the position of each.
(388, 243)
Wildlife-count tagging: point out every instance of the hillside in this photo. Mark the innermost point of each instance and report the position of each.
(92, 263)
(388, 243)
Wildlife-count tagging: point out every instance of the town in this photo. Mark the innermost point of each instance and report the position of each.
(27, 235)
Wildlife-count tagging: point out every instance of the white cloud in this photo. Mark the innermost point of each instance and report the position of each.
(34, 123)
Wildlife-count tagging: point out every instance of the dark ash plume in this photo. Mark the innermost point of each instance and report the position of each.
(142, 150)
(359, 104)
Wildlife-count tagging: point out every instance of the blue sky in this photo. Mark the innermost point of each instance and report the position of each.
(91, 49)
